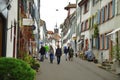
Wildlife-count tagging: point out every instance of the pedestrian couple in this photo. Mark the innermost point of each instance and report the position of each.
(45, 51)
(70, 53)
(58, 54)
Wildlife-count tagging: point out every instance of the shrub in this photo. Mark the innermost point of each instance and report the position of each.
(33, 62)
(15, 69)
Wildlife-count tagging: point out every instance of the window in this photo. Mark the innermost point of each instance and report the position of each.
(95, 2)
(110, 10)
(101, 42)
(105, 13)
(101, 16)
(82, 27)
(102, 12)
(92, 22)
(86, 25)
(86, 8)
(89, 20)
(105, 42)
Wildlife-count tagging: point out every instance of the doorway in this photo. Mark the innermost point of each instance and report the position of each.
(3, 35)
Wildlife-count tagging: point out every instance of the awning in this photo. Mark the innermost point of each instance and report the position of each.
(114, 31)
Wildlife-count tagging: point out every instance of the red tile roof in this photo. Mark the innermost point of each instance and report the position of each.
(49, 32)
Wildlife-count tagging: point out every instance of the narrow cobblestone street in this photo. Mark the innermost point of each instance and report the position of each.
(73, 70)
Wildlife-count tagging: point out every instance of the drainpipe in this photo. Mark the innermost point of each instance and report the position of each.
(38, 20)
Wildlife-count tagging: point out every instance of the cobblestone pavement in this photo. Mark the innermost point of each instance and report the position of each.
(73, 70)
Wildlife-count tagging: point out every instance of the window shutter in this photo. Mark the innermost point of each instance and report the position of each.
(92, 41)
(84, 26)
(108, 7)
(99, 17)
(103, 11)
(89, 22)
(102, 41)
(113, 7)
(107, 43)
(92, 21)
(97, 42)
(96, 15)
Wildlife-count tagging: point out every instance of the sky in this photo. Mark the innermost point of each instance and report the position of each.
(50, 15)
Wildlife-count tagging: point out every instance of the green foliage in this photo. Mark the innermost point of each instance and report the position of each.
(96, 31)
(15, 69)
(33, 62)
(116, 52)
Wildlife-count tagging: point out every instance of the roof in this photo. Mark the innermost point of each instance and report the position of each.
(70, 6)
(49, 32)
(56, 37)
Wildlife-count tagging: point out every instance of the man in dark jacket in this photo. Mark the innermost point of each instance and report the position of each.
(58, 54)
(42, 52)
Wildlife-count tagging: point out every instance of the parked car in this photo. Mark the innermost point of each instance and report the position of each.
(89, 55)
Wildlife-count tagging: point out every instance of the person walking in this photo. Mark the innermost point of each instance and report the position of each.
(51, 51)
(65, 52)
(42, 52)
(58, 54)
(71, 53)
(46, 51)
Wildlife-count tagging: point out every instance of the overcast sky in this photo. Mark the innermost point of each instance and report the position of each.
(49, 13)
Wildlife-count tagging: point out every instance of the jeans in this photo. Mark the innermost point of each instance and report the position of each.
(58, 59)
